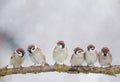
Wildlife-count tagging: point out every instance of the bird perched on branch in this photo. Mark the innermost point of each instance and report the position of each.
(36, 55)
(105, 57)
(91, 55)
(60, 53)
(78, 57)
(17, 57)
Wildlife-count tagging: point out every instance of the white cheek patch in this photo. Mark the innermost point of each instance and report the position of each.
(91, 49)
(102, 54)
(32, 50)
(60, 46)
(78, 52)
(106, 54)
(20, 54)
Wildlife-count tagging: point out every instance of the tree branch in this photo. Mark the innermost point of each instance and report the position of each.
(112, 70)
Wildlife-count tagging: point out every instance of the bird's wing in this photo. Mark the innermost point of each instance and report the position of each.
(54, 51)
(111, 57)
(12, 59)
(71, 57)
(42, 54)
(66, 51)
(85, 55)
(99, 54)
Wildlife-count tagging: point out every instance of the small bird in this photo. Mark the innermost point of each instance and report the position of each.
(91, 55)
(78, 57)
(17, 57)
(60, 53)
(105, 57)
(36, 55)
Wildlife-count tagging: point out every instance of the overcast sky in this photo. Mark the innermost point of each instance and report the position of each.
(44, 22)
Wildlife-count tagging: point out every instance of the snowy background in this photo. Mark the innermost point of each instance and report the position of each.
(44, 22)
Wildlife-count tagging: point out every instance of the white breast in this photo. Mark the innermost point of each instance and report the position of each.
(77, 60)
(91, 57)
(60, 55)
(36, 58)
(105, 60)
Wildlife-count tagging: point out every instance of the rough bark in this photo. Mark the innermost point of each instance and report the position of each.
(112, 70)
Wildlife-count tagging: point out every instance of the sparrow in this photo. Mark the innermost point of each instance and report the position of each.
(36, 55)
(91, 55)
(60, 53)
(105, 57)
(17, 57)
(78, 57)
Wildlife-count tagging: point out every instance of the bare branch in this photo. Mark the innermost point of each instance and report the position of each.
(112, 70)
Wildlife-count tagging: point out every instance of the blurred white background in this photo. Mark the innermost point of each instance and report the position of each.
(44, 22)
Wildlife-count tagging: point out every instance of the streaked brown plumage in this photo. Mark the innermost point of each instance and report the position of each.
(36, 55)
(91, 55)
(105, 57)
(17, 57)
(60, 53)
(78, 57)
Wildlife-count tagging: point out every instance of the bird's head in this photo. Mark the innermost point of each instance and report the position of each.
(78, 50)
(105, 51)
(19, 52)
(91, 47)
(32, 48)
(61, 44)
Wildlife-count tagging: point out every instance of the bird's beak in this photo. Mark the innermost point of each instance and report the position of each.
(24, 52)
(29, 50)
(105, 54)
